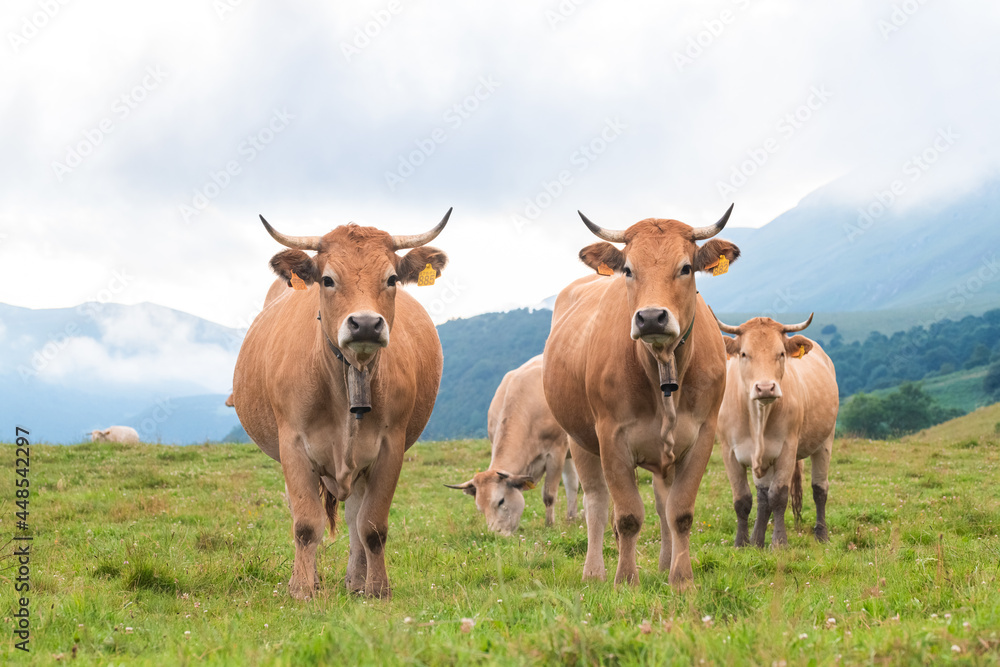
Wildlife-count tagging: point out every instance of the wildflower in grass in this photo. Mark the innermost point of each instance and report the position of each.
(467, 625)
(645, 627)
(408, 620)
(803, 636)
(707, 620)
(128, 631)
(956, 649)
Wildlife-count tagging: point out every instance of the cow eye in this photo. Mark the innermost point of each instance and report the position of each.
(627, 271)
(686, 270)
(327, 281)
(500, 503)
(392, 281)
(743, 354)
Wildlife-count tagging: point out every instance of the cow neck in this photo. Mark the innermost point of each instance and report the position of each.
(358, 381)
(670, 371)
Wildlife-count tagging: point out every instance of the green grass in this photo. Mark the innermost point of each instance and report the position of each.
(136, 546)
(962, 389)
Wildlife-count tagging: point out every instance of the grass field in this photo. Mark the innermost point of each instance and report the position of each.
(160, 555)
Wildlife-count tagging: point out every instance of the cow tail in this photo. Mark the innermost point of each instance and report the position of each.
(330, 505)
(796, 492)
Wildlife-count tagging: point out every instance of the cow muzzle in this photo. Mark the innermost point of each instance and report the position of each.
(655, 326)
(766, 392)
(363, 333)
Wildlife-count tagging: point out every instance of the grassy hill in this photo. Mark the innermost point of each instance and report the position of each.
(961, 389)
(162, 555)
(982, 424)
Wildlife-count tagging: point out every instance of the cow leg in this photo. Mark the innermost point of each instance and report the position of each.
(619, 471)
(373, 514)
(680, 504)
(571, 482)
(308, 515)
(553, 469)
(660, 493)
(742, 497)
(777, 500)
(821, 486)
(595, 500)
(763, 516)
(357, 566)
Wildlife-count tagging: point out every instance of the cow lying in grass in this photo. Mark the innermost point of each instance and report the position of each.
(780, 406)
(527, 444)
(125, 434)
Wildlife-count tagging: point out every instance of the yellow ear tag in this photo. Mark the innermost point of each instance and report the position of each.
(722, 266)
(604, 270)
(297, 283)
(529, 484)
(801, 353)
(426, 277)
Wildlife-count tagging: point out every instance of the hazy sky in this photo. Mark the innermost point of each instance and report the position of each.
(141, 140)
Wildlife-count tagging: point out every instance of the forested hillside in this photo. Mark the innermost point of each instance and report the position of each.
(478, 351)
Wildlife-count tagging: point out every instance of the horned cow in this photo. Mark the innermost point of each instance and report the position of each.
(780, 407)
(634, 370)
(336, 379)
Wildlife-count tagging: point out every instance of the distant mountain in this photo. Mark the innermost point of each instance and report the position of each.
(828, 256)
(66, 371)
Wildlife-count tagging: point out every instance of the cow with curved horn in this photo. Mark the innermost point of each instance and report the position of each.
(780, 407)
(634, 370)
(336, 379)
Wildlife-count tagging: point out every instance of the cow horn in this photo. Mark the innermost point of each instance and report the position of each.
(612, 235)
(297, 242)
(702, 233)
(790, 328)
(727, 328)
(461, 487)
(404, 241)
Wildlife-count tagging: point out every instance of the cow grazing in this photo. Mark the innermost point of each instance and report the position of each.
(780, 407)
(125, 434)
(619, 345)
(348, 339)
(527, 443)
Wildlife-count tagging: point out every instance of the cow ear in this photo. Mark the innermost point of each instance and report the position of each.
(520, 482)
(732, 345)
(469, 488)
(798, 346)
(597, 255)
(409, 266)
(708, 255)
(290, 261)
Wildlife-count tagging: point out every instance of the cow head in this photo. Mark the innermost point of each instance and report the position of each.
(98, 435)
(659, 261)
(761, 348)
(357, 271)
(499, 496)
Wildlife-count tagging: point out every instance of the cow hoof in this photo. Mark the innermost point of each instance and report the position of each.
(821, 534)
(741, 541)
(354, 585)
(301, 591)
(595, 575)
(380, 591)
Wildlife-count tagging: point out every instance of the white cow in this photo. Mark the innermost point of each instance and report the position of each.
(125, 434)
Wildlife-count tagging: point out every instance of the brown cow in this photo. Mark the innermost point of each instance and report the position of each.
(310, 356)
(618, 346)
(780, 406)
(527, 443)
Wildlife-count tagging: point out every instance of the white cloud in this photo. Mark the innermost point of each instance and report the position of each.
(223, 78)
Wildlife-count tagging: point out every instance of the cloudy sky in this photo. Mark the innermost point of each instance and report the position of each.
(141, 140)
